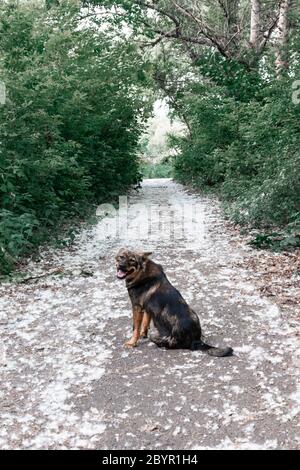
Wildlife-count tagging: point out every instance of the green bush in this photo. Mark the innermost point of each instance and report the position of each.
(162, 169)
(71, 124)
(247, 150)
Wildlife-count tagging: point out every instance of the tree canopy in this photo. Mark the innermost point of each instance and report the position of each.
(228, 69)
(80, 78)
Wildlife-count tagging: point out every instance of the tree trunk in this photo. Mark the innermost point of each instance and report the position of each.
(255, 26)
(233, 26)
(281, 61)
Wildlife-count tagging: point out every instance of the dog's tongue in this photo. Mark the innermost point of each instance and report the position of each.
(121, 274)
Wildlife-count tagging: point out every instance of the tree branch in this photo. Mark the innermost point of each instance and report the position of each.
(204, 29)
(158, 10)
(267, 34)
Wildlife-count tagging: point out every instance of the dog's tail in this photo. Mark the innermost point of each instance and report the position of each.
(211, 350)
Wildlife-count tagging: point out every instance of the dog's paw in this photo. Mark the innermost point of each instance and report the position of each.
(130, 344)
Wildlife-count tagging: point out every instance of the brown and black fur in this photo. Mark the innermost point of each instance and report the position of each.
(154, 298)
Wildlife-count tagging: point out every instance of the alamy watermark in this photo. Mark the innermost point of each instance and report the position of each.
(182, 222)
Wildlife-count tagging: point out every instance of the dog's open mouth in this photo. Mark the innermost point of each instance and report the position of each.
(121, 274)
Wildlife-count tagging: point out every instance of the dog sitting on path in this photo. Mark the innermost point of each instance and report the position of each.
(154, 298)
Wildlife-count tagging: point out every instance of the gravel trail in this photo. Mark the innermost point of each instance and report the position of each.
(68, 383)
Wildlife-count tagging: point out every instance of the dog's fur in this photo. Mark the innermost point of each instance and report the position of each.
(154, 298)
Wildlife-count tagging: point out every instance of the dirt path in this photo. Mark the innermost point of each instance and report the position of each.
(67, 382)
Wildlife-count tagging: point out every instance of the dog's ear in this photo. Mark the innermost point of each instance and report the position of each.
(121, 251)
(144, 258)
(145, 255)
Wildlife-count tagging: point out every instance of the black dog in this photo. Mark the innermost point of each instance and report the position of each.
(154, 298)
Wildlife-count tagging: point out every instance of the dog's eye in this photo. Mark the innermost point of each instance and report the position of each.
(132, 260)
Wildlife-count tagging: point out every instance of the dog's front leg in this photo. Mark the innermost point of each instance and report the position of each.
(145, 324)
(137, 313)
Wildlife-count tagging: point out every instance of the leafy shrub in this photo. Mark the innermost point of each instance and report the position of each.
(248, 150)
(162, 169)
(15, 234)
(70, 127)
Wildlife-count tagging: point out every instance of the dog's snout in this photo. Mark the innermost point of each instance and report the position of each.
(122, 266)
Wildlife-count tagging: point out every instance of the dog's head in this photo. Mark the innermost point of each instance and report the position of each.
(130, 263)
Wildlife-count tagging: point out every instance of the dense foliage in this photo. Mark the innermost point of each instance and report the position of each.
(76, 75)
(229, 70)
(248, 150)
(71, 121)
(163, 169)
